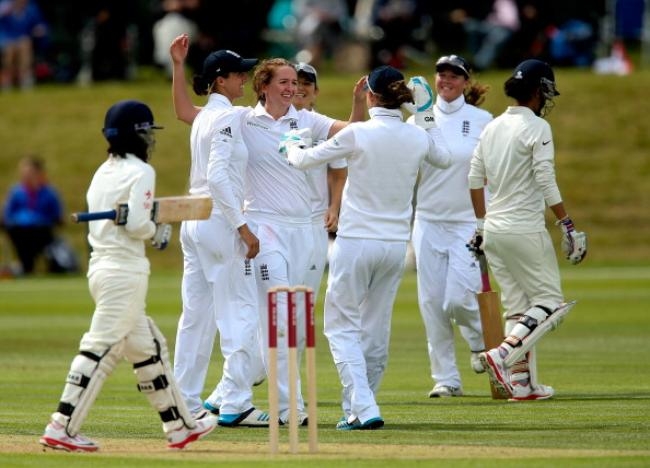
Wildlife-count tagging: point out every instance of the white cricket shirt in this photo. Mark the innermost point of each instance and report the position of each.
(121, 180)
(443, 195)
(516, 155)
(219, 157)
(275, 188)
(383, 154)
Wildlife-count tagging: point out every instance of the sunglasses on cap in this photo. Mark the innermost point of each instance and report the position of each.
(453, 61)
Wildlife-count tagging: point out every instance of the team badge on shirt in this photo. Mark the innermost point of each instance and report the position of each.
(264, 272)
(465, 127)
(293, 124)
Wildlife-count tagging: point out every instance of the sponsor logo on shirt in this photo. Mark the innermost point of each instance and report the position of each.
(255, 124)
(544, 143)
(226, 132)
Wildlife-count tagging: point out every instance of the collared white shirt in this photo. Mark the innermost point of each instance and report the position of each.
(516, 155)
(384, 155)
(274, 187)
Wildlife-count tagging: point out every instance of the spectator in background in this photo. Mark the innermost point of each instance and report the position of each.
(21, 23)
(395, 21)
(320, 29)
(173, 23)
(31, 212)
(489, 26)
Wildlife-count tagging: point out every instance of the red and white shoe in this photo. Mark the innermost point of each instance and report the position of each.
(181, 437)
(528, 393)
(497, 371)
(57, 438)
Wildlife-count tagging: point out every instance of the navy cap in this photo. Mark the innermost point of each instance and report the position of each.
(382, 77)
(306, 70)
(455, 62)
(222, 62)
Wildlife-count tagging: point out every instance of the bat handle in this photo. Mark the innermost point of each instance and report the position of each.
(94, 216)
(485, 275)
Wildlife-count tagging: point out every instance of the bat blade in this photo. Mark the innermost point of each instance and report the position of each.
(173, 209)
(165, 210)
(488, 304)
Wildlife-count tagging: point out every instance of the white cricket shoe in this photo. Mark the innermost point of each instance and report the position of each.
(56, 437)
(303, 419)
(181, 437)
(475, 362)
(445, 391)
(497, 371)
(528, 393)
(251, 418)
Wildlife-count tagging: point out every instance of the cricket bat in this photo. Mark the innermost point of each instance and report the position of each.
(165, 210)
(488, 304)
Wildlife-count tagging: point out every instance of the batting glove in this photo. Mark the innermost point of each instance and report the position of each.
(574, 243)
(295, 138)
(476, 242)
(423, 98)
(162, 236)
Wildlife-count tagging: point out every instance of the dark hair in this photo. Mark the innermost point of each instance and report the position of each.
(264, 73)
(520, 90)
(398, 94)
(131, 143)
(200, 85)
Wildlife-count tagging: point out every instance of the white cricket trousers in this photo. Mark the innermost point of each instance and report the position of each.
(448, 279)
(285, 252)
(363, 279)
(316, 266)
(525, 266)
(219, 294)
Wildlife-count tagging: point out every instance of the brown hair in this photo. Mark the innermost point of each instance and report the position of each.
(264, 73)
(475, 92)
(398, 94)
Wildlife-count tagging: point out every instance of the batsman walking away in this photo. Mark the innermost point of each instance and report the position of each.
(516, 156)
(118, 276)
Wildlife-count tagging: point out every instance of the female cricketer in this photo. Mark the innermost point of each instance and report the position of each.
(118, 276)
(384, 155)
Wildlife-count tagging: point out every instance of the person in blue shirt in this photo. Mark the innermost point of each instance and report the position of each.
(32, 210)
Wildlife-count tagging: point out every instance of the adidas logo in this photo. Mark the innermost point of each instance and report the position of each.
(226, 131)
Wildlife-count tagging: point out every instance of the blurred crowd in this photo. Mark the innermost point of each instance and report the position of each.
(94, 40)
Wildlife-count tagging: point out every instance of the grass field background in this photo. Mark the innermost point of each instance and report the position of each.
(597, 360)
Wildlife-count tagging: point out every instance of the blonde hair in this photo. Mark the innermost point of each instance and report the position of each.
(475, 92)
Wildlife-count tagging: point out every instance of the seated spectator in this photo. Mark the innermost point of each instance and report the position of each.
(21, 22)
(31, 212)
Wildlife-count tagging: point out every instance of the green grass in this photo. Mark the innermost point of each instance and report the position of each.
(596, 361)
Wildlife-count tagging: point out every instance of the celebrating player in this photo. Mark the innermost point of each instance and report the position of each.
(118, 277)
(384, 155)
(516, 156)
(219, 291)
(447, 277)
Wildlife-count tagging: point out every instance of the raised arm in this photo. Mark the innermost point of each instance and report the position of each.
(358, 108)
(184, 109)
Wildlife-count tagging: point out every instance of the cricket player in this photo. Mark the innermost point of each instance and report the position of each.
(326, 182)
(448, 277)
(118, 275)
(219, 289)
(384, 155)
(516, 156)
(279, 200)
